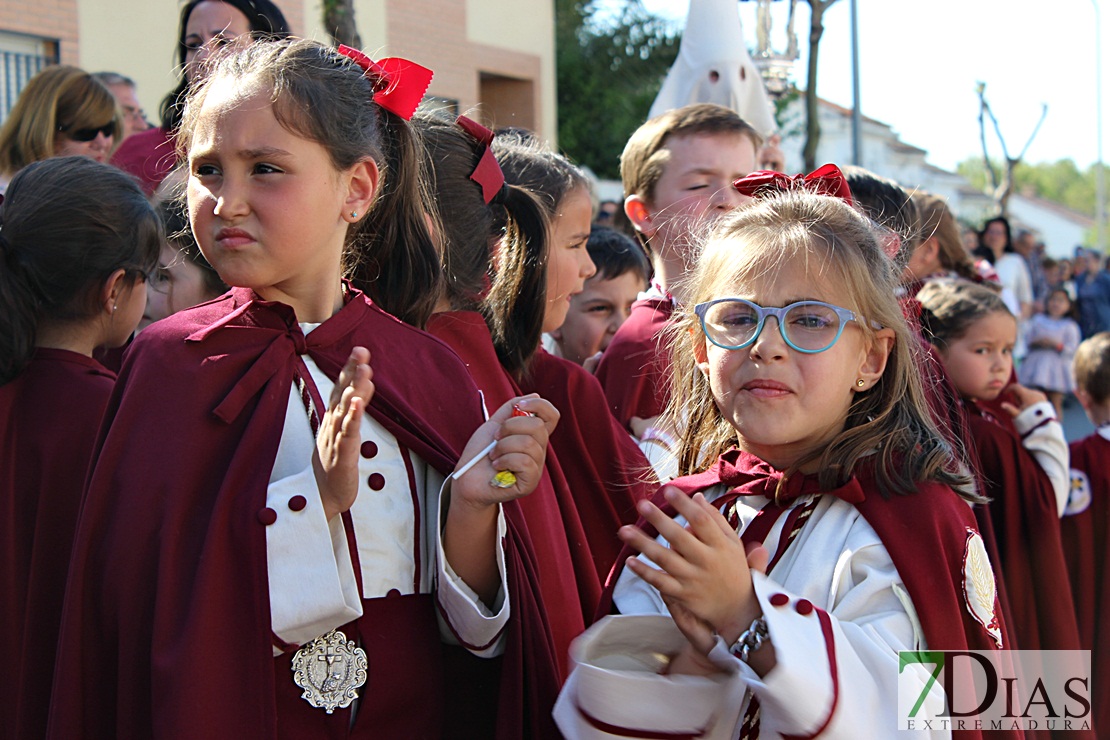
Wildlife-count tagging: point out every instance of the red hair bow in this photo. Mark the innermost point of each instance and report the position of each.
(488, 172)
(825, 180)
(399, 85)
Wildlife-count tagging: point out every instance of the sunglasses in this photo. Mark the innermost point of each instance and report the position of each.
(88, 134)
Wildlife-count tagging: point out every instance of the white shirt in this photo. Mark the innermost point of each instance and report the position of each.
(397, 527)
(839, 566)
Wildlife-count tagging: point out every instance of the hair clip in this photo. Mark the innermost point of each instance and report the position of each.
(399, 85)
(487, 172)
(825, 180)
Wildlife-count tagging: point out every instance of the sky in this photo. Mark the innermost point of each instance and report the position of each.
(920, 61)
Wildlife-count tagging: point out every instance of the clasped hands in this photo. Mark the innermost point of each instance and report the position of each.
(704, 577)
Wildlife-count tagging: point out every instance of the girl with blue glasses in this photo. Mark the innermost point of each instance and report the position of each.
(816, 530)
(806, 326)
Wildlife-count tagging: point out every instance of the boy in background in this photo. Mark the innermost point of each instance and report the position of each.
(604, 305)
(677, 170)
(1087, 516)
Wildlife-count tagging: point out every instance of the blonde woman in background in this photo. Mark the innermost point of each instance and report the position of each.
(62, 111)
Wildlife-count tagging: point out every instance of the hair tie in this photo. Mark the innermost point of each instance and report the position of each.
(487, 172)
(501, 196)
(399, 85)
(825, 180)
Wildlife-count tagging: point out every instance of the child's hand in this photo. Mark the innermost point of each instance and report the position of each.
(335, 460)
(1023, 398)
(470, 533)
(521, 448)
(639, 425)
(706, 570)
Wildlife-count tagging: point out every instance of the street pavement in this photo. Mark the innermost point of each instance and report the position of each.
(1076, 424)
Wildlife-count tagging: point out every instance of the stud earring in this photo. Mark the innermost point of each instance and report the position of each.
(354, 214)
(860, 383)
(114, 307)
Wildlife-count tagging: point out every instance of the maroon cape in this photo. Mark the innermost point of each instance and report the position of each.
(1085, 547)
(604, 467)
(166, 628)
(594, 473)
(567, 581)
(925, 534)
(148, 155)
(633, 368)
(49, 418)
(1026, 529)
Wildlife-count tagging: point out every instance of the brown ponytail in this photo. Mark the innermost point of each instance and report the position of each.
(511, 298)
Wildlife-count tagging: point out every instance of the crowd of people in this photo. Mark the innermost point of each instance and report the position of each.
(325, 416)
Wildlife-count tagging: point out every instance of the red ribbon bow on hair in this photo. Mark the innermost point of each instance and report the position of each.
(399, 85)
(825, 180)
(487, 172)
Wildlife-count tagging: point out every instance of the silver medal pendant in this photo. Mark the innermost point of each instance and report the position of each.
(330, 669)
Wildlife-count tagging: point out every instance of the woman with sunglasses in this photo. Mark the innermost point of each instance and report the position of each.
(206, 25)
(62, 111)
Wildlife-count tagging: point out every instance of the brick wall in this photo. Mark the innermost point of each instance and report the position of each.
(434, 33)
(55, 19)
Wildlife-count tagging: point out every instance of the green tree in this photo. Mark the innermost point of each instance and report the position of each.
(609, 68)
(1059, 182)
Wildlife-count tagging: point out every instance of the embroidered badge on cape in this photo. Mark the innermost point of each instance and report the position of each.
(980, 591)
(1079, 495)
(330, 669)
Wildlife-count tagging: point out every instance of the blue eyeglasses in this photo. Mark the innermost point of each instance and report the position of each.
(806, 326)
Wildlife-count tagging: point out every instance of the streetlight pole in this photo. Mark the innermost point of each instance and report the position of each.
(1100, 172)
(857, 113)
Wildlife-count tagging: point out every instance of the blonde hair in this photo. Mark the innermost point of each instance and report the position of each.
(59, 96)
(1092, 367)
(891, 420)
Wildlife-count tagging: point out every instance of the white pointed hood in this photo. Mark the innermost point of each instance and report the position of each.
(713, 66)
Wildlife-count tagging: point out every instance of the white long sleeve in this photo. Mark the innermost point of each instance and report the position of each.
(1044, 437)
(390, 540)
(837, 614)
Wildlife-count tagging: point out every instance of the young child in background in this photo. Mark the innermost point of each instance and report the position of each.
(816, 516)
(1018, 468)
(605, 302)
(184, 277)
(78, 240)
(1052, 338)
(268, 533)
(677, 170)
(941, 252)
(604, 468)
(493, 318)
(1086, 518)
